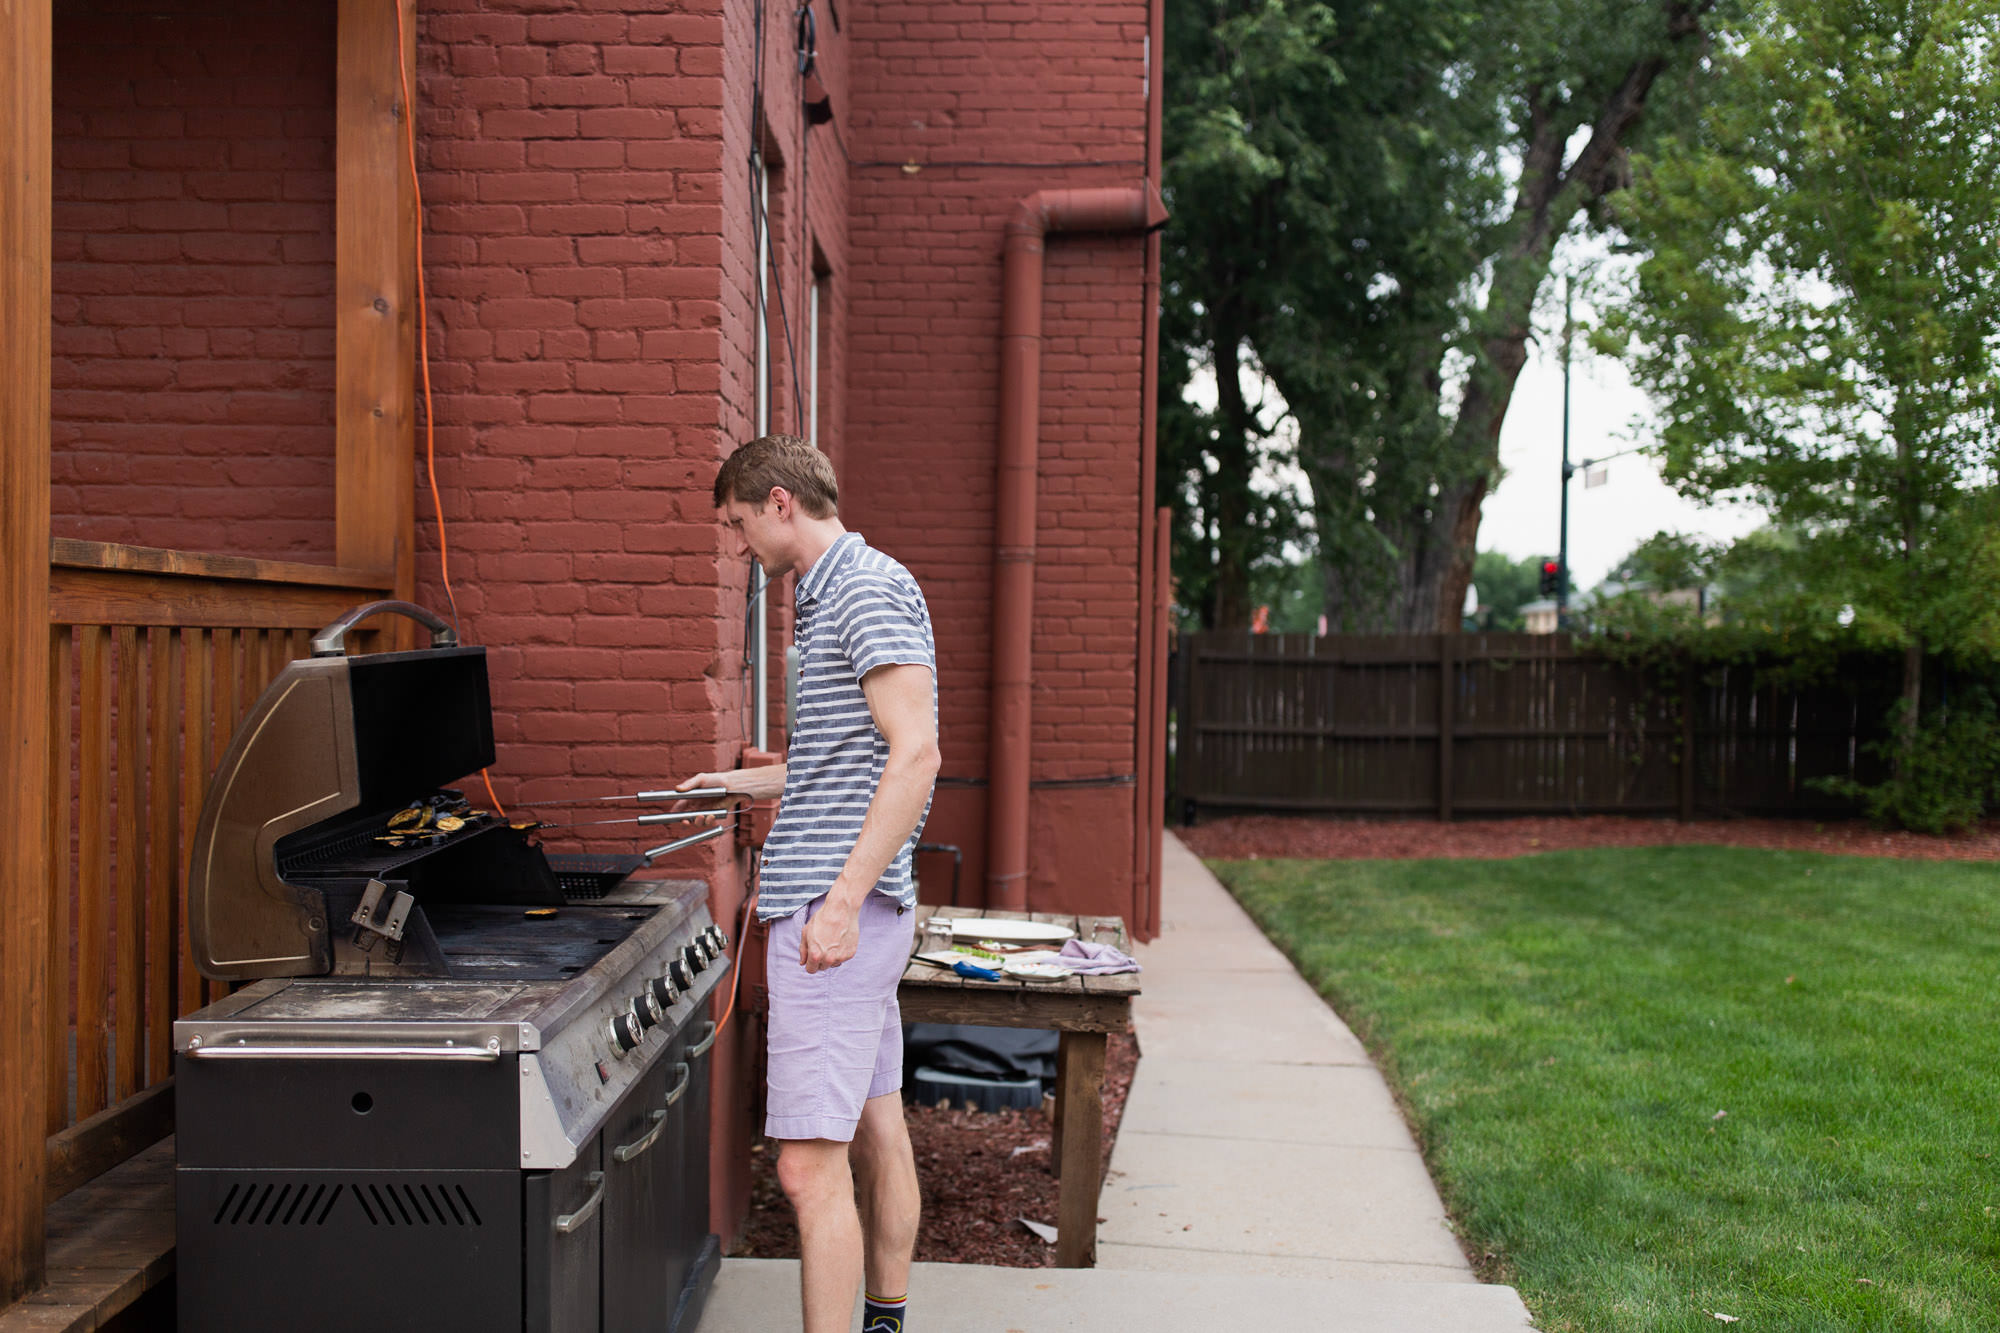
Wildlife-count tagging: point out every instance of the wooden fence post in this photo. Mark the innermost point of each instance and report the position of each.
(26, 120)
(1689, 684)
(1187, 741)
(1447, 697)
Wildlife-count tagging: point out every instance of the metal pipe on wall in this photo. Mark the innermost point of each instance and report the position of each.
(1156, 820)
(1149, 763)
(1105, 209)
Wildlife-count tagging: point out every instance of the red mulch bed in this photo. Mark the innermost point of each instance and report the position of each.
(1247, 837)
(974, 1182)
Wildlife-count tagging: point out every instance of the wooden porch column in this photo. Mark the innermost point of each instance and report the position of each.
(375, 267)
(26, 53)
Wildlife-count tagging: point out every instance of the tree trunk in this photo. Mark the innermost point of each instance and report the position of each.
(1548, 198)
(1232, 478)
(1913, 697)
(1910, 518)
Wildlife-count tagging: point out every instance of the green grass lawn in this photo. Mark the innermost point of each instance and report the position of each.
(1659, 1083)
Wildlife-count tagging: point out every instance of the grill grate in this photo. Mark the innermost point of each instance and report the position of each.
(584, 876)
(354, 851)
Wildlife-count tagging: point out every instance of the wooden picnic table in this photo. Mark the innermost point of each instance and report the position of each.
(1083, 1009)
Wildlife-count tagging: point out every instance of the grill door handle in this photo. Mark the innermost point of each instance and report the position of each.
(246, 1051)
(700, 1048)
(569, 1222)
(679, 1088)
(625, 1152)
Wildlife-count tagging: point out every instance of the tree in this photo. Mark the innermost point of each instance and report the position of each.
(1763, 575)
(1817, 315)
(1225, 524)
(1291, 591)
(1666, 562)
(1504, 587)
(1366, 200)
(1292, 135)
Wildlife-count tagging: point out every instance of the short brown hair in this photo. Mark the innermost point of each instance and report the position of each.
(779, 460)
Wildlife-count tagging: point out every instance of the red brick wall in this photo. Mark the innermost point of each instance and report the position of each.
(589, 256)
(193, 338)
(988, 103)
(590, 266)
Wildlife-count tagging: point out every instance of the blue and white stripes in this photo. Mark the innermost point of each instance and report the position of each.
(857, 610)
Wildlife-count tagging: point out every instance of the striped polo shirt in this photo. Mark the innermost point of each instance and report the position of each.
(857, 610)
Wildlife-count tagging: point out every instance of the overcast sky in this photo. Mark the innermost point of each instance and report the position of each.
(1607, 414)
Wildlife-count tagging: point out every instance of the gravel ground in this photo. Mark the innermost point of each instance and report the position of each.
(1248, 837)
(979, 1173)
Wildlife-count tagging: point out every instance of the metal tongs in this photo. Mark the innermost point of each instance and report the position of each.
(678, 816)
(662, 817)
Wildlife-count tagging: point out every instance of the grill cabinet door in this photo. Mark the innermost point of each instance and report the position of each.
(562, 1269)
(639, 1200)
(696, 1250)
(341, 1194)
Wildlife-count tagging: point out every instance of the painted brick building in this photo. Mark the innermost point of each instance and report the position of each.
(606, 186)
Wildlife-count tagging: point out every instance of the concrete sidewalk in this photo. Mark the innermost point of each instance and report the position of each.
(1263, 1176)
(1258, 1137)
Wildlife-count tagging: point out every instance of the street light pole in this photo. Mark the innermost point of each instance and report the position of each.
(1562, 544)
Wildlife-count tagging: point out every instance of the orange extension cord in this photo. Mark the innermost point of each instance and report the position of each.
(736, 977)
(430, 450)
(424, 338)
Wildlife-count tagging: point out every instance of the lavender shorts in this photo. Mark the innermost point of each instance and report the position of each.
(836, 1037)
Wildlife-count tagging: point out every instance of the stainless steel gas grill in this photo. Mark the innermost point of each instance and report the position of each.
(467, 1089)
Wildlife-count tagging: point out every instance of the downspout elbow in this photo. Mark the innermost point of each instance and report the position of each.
(1100, 208)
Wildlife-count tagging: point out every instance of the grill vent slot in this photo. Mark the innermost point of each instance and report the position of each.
(406, 1205)
(298, 1204)
(284, 1204)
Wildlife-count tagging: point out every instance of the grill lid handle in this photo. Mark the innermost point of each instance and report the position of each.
(332, 641)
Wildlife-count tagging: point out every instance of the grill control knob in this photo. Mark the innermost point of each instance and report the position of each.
(661, 992)
(705, 947)
(625, 1033)
(647, 1009)
(678, 973)
(694, 959)
(721, 940)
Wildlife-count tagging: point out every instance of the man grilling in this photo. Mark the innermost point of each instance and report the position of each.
(835, 883)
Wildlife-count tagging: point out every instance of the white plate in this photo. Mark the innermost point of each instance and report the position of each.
(1044, 972)
(1002, 931)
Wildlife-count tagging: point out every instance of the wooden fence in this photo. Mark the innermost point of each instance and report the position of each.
(154, 657)
(1504, 724)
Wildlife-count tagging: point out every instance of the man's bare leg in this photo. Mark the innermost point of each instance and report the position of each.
(816, 1178)
(885, 1172)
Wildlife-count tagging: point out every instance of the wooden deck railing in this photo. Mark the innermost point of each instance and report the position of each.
(155, 656)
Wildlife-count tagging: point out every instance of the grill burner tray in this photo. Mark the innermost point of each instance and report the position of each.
(485, 941)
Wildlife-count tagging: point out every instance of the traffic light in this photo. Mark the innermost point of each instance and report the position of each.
(1551, 585)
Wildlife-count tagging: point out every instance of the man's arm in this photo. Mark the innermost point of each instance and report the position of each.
(758, 784)
(899, 700)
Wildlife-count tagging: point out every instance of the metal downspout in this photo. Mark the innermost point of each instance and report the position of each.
(1112, 209)
(1155, 580)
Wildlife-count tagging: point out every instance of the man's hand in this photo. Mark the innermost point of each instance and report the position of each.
(752, 784)
(830, 938)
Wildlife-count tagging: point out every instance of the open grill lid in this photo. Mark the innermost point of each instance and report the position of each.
(332, 737)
